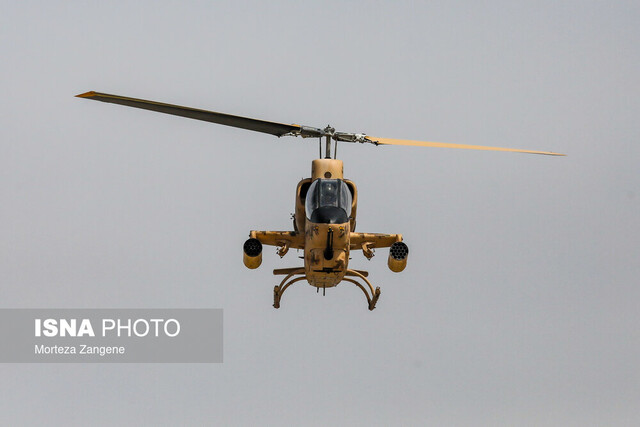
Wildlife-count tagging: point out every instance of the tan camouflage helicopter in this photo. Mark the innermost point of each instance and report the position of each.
(324, 222)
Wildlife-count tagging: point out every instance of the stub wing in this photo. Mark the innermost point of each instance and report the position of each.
(369, 241)
(289, 239)
(373, 240)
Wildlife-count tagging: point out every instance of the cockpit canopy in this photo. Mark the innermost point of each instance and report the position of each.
(328, 202)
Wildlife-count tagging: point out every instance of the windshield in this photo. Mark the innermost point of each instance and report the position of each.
(330, 201)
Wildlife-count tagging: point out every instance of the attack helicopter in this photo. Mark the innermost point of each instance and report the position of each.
(324, 221)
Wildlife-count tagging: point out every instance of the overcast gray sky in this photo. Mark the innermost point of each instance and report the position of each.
(519, 305)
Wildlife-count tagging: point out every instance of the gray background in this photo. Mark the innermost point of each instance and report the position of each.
(519, 304)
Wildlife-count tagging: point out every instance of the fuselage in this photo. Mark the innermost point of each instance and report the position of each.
(325, 209)
(324, 227)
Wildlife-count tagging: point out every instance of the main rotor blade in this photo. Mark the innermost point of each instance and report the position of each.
(389, 141)
(277, 129)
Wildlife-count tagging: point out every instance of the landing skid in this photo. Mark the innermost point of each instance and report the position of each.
(289, 279)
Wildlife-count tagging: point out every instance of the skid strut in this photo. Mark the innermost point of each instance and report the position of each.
(289, 279)
(373, 299)
(279, 290)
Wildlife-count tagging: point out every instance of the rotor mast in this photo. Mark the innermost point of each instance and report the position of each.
(328, 135)
(327, 147)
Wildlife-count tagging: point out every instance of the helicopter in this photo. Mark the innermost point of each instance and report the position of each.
(324, 221)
